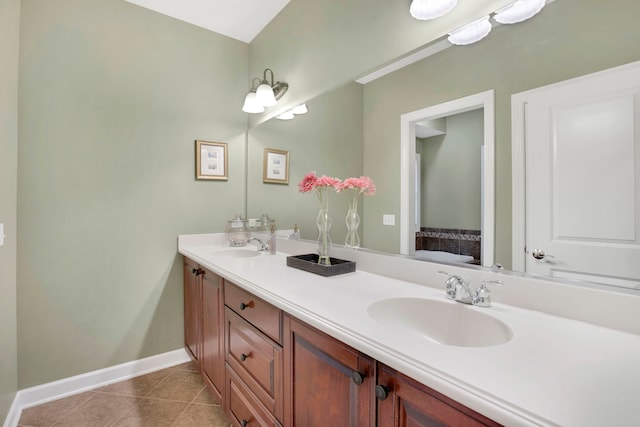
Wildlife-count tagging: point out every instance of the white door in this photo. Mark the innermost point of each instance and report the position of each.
(582, 178)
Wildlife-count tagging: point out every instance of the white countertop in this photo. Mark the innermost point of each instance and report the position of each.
(554, 371)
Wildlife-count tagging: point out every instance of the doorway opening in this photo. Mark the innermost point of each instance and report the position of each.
(409, 182)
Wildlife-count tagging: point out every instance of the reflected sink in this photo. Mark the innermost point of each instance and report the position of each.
(443, 322)
(237, 253)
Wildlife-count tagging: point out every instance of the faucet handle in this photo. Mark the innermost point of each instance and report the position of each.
(456, 287)
(482, 298)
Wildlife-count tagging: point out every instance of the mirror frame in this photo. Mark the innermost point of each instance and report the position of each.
(484, 100)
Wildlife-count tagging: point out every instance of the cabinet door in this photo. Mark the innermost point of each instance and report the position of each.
(403, 402)
(327, 383)
(192, 309)
(212, 331)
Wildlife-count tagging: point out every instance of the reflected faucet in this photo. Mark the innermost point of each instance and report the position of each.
(262, 246)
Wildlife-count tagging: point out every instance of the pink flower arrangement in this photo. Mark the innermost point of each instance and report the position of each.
(363, 185)
(321, 185)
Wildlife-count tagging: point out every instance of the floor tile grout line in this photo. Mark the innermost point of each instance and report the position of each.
(72, 410)
(113, 423)
(181, 414)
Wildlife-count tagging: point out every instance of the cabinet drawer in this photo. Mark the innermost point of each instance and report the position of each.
(256, 359)
(261, 314)
(242, 407)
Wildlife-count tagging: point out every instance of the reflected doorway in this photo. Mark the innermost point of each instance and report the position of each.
(444, 174)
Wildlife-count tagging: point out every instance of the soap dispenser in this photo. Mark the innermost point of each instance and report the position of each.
(296, 233)
(272, 239)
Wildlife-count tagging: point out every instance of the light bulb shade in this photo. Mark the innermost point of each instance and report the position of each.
(287, 115)
(471, 33)
(431, 9)
(251, 104)
(518, 11)
(265, 95)
(300, 109)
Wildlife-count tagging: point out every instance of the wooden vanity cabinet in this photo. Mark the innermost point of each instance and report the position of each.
(274, 370)
(404, 402)
(327, 383)
(254, 362)
(212, 358)
(193, 309)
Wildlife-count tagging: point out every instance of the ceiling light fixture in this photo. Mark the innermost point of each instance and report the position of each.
(471, 33)
(431, 9)
(266, 94)
(518, 11)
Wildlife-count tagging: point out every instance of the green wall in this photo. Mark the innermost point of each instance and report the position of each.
(569, 38)
(111, 99)
(9, 33)
(318, 45)
(450, 174)
(327, 140)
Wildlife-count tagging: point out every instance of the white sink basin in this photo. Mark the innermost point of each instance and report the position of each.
(444, 322)
(237, 253)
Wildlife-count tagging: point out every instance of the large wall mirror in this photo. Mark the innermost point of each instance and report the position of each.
(355, 129)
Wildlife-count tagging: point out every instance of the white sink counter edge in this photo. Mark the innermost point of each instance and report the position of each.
(554, 371)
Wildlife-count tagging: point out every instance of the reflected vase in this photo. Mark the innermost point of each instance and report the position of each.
(353, 222)
(323, 222)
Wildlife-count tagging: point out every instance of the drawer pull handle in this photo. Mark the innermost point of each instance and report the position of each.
(357, 377)
(243, 357)
(246, 305)
(244, 423)
(382, 392)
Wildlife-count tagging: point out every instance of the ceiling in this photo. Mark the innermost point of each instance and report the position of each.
(238, 19)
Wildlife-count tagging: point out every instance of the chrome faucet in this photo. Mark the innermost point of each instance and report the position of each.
(262, 246)
(458, 289)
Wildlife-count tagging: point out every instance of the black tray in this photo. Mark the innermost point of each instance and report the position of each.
(309, 262)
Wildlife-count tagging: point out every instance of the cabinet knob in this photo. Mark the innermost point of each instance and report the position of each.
(243, 357)
(382, 392)
(244, 423)
(245, 305)
(194, 270)
(357, 377)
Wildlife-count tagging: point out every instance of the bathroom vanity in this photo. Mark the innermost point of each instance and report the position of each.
(282, 346)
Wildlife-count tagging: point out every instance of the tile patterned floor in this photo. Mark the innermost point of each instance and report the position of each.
(175, 397)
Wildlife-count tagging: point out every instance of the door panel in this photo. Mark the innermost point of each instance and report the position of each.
(583, 179)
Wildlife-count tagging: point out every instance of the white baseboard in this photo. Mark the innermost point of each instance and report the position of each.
(80, 383)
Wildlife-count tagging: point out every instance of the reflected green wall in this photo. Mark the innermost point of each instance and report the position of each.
(9, 34)
(569, 38)
(327, 140)
(112, 97)
(318, 45)
(450, 174)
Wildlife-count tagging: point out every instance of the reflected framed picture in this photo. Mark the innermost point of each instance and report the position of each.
(275, 168)
(211, 160)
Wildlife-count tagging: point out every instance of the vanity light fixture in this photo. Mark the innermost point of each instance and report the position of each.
(431, 9)
(266, 94)
(251, 103)
(518, 11)
(300, 109)
(290, 114)
(287, 115)
(471, 33)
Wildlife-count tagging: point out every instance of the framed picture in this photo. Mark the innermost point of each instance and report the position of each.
(276, 166)
(211, 160)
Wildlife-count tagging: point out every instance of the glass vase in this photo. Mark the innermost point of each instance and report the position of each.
(353, 221)
(324, 241)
